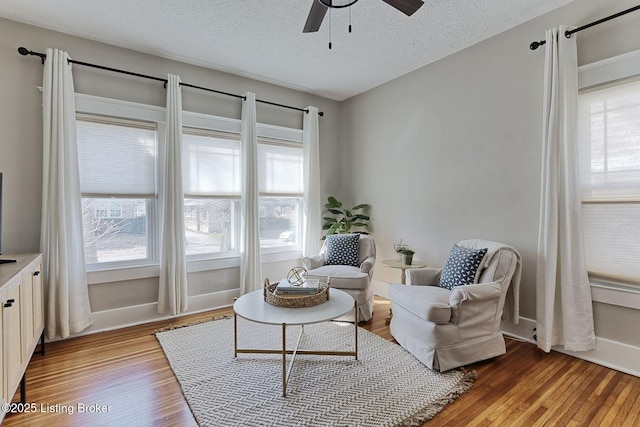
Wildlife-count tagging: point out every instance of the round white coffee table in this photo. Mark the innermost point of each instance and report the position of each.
(253, 307)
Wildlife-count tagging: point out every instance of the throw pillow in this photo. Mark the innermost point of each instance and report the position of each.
(342, 249)
(461, 267)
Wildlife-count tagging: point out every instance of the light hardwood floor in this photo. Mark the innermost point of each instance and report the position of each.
(127, 372)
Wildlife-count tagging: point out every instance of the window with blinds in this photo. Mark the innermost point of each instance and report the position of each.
(211, 176)
(117, 163)
(609, 147)
(281, 189)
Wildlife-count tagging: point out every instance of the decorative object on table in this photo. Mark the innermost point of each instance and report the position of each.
(391, 386)
(297, 276)
(345, 221)
(296, 300)
(399, 247)
(309, 287)
(407, 256)
(431, 322)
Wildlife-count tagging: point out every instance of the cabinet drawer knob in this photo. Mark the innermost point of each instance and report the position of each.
(11, 301)
(8, 304)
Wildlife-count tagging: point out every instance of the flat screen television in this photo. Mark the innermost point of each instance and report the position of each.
(2, 260)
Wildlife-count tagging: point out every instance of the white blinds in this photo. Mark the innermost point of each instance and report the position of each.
(211, 164)
(612, 240)
(117, 157)
(280, 169)
(609, 144)
(609, 135)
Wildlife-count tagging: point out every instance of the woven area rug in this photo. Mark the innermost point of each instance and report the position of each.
(386, 386)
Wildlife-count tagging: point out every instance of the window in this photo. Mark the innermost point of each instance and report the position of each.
(117, 160)
(118, 143)
(211, 175)
(280, 184)
(609, 147)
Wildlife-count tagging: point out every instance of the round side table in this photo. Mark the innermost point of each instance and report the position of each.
(396, 263)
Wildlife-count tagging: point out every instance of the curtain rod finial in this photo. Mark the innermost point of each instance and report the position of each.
(23, 51)
(535, 45)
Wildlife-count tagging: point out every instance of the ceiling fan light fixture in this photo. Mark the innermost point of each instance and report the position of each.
(331, 5)
(319, 9)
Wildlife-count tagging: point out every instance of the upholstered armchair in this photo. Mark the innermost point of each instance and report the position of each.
(349, 260)
(450, 317)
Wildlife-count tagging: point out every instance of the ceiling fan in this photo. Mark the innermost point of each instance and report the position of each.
(319, 10)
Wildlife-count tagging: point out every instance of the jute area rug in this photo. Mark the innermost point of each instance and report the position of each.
(386, 386)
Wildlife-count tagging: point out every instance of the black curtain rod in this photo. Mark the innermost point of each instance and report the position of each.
(567, 34)
(24, 51)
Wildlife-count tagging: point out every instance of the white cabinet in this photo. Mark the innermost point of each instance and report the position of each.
(22, 320)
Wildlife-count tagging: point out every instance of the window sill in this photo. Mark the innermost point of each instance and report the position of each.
(143, 272)
(619, 295)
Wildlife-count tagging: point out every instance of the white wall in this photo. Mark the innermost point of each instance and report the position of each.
(21, 148)
(452, 150)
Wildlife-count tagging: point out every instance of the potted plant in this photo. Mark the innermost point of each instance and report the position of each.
(407, 256)
(345, 220)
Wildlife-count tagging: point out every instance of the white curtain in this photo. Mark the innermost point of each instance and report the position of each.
(250, 266)
(61, 241)
(312, 204)
(173, 295)
(564, 310)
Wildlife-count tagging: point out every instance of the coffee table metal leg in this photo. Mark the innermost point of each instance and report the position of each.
(355, 309)
(235, 335)
(284, 359)
(286, 371)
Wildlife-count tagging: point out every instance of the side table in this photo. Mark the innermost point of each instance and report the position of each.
(397, 263)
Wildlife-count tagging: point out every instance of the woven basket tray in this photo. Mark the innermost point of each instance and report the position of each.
(296, 301)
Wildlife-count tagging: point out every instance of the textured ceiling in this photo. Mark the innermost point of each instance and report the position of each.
(263, 39)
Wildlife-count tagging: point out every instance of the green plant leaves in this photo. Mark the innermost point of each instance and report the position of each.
(346, 220)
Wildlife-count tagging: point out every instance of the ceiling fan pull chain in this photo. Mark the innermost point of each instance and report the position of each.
(330, 28)
(349, 19)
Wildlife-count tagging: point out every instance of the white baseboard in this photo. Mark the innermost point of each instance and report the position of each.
(612, 354)
(146, 313)
(380, 288)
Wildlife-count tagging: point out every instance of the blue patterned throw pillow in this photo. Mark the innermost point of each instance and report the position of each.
(461, 267)
(342, 249)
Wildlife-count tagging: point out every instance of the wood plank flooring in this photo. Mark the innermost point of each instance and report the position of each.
(123, 379)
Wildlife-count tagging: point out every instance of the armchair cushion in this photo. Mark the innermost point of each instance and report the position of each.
(342, 249)
(430, 303)
(461, 267)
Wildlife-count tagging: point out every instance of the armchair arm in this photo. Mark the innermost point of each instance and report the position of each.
(315, 261)
(424, 276)
(476, 306)
(367, 265)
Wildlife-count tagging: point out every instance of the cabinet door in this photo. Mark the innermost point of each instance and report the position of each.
(32, 305)
(27, 311)
(38, 299)
(14, 360)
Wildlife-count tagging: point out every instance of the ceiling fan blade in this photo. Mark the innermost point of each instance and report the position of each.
(408, 7)
(316, 15)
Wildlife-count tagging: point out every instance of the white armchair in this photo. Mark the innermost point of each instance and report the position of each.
(445, 328)
(355, 280)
